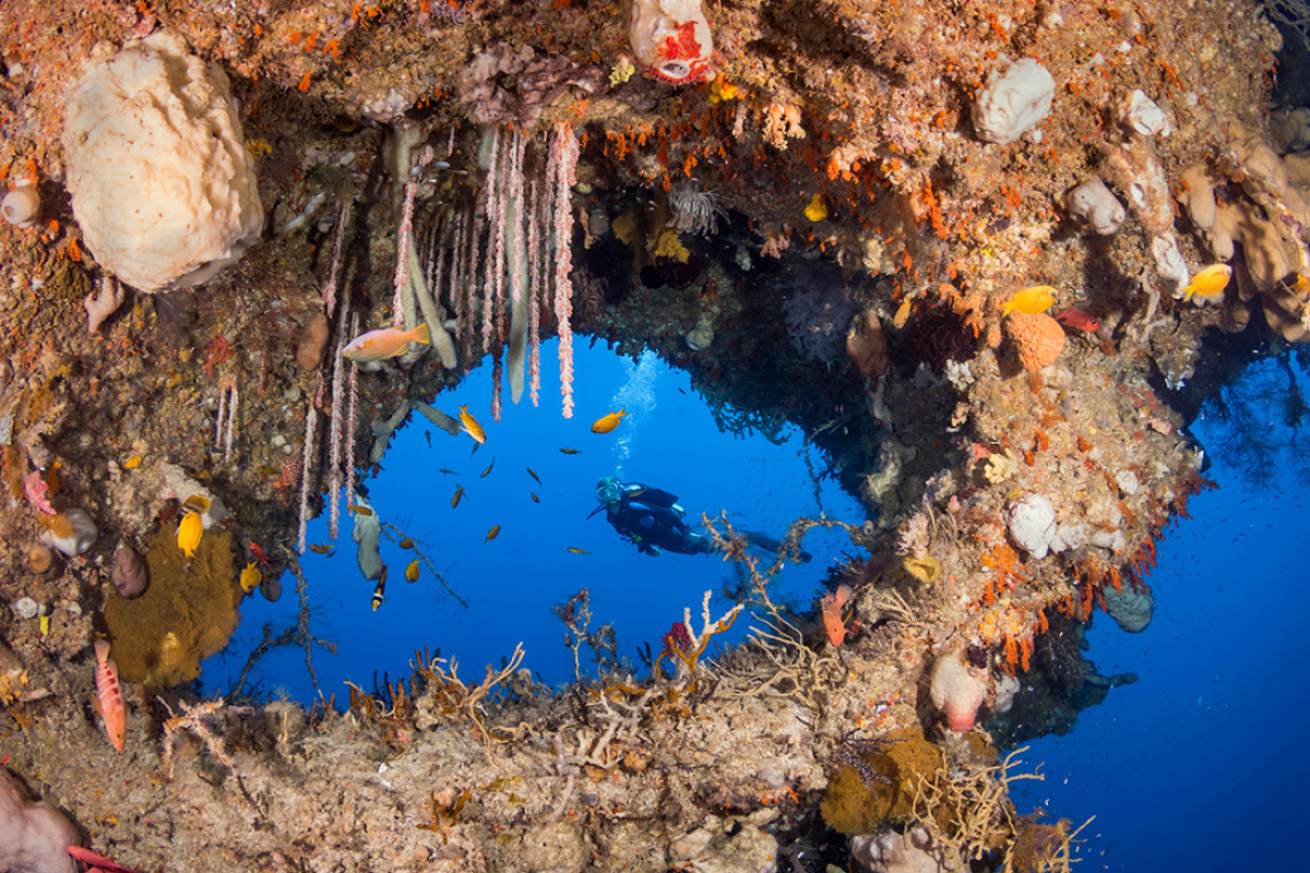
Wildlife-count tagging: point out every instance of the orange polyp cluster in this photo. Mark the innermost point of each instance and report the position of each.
(1011, 652)
(1018, 653)
(1005, 561)
(1066, 605)
(1089, 592)
(934, 209)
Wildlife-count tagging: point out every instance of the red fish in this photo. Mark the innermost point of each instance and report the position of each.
(833, 622)
(97, 862)
(1078, 318)
(260, 556)
(111, 697)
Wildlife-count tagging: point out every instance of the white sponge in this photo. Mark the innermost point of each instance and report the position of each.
(162, 184)
(1010, 105)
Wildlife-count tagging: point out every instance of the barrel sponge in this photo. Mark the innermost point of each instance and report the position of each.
(33, 835)
(161, 181)
(1014, 102)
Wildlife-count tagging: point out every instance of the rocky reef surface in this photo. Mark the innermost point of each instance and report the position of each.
(822, 218)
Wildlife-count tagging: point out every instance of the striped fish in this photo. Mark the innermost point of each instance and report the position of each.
(111, 697)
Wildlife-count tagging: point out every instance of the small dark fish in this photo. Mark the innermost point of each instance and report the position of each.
(535, 498)
(488, 470)
(571, 451)
(362, 510)
(322, 549)
(407, 543)
(534, 475)
(428, 435)
(448, 472)
(459, 493)
(493, 533)
(578, 551)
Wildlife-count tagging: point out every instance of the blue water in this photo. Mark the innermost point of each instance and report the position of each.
(1198, 766)
(668, 440)
(1195, 767)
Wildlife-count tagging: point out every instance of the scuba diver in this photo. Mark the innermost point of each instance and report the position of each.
(651, 519)
(648, 517)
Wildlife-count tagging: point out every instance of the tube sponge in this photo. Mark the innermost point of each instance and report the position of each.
(33, 836)
(161, 181)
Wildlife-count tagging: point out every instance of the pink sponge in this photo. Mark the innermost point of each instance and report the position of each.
(34, 836)
(958, 690)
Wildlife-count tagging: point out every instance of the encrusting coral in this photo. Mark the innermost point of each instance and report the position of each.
(187, 614)
(1038, 339)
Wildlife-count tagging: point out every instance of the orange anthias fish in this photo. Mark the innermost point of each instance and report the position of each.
(111, 696)
(607, 423)
(1033, 300)
(1209, 281)
(471, 426)
(832, 605)
(1078, 318)
(385, 343)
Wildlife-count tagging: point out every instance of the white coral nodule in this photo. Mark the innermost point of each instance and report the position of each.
(21, 206)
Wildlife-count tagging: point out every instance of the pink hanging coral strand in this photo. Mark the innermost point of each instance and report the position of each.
(565, 151)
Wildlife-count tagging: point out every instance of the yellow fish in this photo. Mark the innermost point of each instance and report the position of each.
(817, 210)
(459, 492)
(250, 578)
(493, 533)
(1209, 281)
(578, 551)
(471, 426)
(607, 423)
(411, 572)
(902, 314)
(362, 510)
(1033, 300)
(197, 503)
(189, 531)
(385, 343)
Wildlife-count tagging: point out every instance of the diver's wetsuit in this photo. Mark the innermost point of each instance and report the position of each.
(651, 518)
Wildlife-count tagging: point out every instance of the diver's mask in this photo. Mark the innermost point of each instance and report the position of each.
(608, 490)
